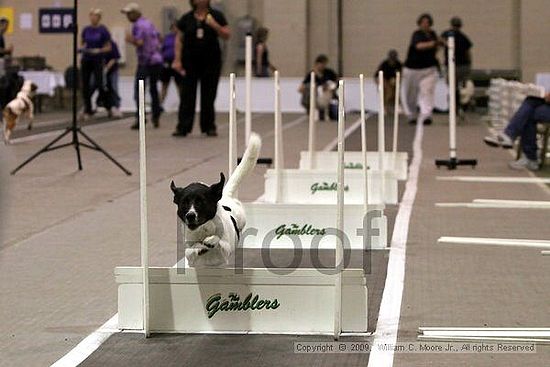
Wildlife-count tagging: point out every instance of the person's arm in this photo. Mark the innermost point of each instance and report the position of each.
(178, 46)
(222, 30)
(138, 42)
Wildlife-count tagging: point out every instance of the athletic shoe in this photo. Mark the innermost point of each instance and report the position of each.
(211, 133)
(524, 163)
(499, 140)
(115, 112)
(135, 126)
(427, 121)
(156, 123)
(412, 122)
(179, 133)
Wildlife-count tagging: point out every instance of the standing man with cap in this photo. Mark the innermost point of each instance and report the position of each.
(463, 55)
(4, 50)
(199, 59)
(146, 39)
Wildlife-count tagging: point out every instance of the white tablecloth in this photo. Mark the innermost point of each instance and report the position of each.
(46, 80)
(543, 79)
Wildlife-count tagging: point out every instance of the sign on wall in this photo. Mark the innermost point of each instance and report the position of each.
(55, 20)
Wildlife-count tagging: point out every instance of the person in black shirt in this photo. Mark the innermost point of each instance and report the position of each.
(421, 72)
(326, 81)
(261, 63)
(4, 50)
(198, 58)
(389, 67)
(463, 56)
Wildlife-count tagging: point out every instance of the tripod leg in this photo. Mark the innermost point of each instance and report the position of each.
(77, 148)
(43, 150)
(104, 152)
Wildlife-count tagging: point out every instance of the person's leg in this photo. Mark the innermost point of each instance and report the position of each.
(86, 71)
(427, 89)
(113, 85)
(521, 118)
(188, 102)
(529, 133)
(141, 73)
(209, 89)
(154, 74)
(101, 85)
(409, 93)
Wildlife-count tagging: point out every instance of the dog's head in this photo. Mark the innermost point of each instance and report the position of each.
(29, 87)
(197, 203)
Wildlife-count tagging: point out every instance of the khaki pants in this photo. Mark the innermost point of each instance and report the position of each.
(418, 90)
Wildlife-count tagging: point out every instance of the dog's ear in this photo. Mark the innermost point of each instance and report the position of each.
(176, 190)
(216, 190)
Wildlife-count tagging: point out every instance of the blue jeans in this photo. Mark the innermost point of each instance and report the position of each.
(524, 124)
(112, 87)
(151, 72)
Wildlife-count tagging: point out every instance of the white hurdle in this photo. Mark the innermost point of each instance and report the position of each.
(248, 88)
(245, 300)
(396, 120)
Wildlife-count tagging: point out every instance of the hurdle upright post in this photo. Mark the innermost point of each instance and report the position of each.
(143, 208)
(381, 134)
(312, 122)
(232, 126)
(396, 118)
(364, 142)
(453, 162)
(248, 88)
(339, 248)
(278, 162)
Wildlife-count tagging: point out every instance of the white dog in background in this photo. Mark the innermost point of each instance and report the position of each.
(17, 107)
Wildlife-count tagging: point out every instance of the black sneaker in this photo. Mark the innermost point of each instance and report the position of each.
(412, 122)
(156, 122)
(212, 133)
(180, 134)
(428, 121)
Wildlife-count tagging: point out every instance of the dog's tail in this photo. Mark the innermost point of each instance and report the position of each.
(247, 164)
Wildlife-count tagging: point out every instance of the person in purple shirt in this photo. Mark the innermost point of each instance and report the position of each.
(146, 39)
(95, 42)
(168, 53)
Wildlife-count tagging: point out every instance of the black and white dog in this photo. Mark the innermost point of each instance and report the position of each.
(213, 218)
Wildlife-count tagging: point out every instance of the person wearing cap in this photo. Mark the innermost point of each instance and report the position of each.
(421, 72)
(199, 59)
(146, 39)
(95, 42)
(389, 67)
(463, 55)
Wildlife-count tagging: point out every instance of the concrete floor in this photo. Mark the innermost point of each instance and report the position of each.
(64, 231)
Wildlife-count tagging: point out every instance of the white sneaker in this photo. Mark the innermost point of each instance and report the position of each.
(524, 163)
(115, 112)
(499, 140)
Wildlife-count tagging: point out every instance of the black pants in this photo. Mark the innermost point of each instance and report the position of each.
(208, 76)
(151, 72)
(92, 78)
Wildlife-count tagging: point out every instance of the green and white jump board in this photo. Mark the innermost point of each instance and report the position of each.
(252, 301)
(301, 186)
(280, 223)
(354, 160)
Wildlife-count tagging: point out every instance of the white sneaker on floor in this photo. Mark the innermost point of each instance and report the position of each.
(524, 163)
(115, 112)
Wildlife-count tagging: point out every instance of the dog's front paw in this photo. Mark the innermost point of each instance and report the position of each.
(211, 241)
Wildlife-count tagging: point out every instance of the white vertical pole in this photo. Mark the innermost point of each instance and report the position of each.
(232, 126)
(396, 117)
(381, 134)
(248, 89)
(339, 248)
(312, 122)
(143, 208)
(452, 96)
(278, 139)
(364, 143)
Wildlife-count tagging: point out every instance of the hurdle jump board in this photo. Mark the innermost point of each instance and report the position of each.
(354, 160)
(319, 186)
(205, 300)
(307, 220)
